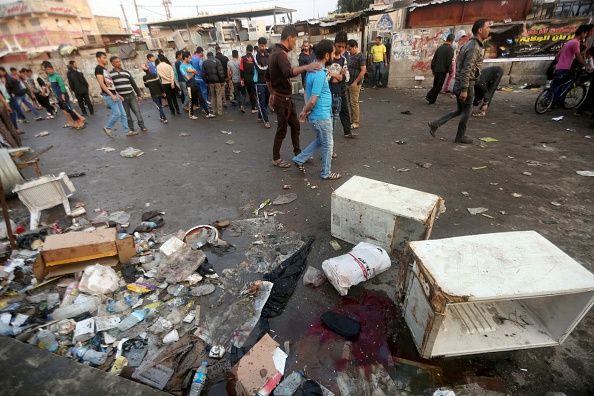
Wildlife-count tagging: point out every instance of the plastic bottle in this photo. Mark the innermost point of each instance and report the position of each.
(47, 340)
(72, 310)
(70, 294)
(89, 355)
(199, 379)
(132, 319)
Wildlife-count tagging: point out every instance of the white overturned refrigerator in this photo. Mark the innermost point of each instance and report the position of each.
(492, 292)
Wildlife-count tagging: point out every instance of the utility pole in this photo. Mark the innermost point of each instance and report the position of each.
(137, 18)
(166, 5)
(125, 17)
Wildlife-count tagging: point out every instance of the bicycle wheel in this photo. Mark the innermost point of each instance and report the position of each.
(544, 101)
(574, 97)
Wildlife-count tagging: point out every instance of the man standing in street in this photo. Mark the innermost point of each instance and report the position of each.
(126, 87)
(468, 69)
(357, 70)
(235, 77)
(379, 61)
(279, 76)
(167, 76)
(152, 66)
(197, 60)
(194, 92)
(441, 65)
(79, 85)
(181, 81)
(111, 98)
(262, 59)
(224, 61)
(305, 58)
(152, 82)
(215, 77)
(246, 69)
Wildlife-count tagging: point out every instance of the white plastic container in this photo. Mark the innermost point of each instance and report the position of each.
(366, 210)
(493, 292)
(43, 193)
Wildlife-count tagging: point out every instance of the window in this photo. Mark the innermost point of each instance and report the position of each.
(4, 28)
(34, 22)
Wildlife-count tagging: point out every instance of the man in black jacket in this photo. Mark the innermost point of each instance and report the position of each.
(79, 85)
(485, 88)
(261, 87)
(246, 72)
(215, 77)
(441, 65)
(224, 61)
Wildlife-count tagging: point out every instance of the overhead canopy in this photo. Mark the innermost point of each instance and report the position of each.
(212, 18)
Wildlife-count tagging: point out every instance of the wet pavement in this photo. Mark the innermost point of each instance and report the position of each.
(198, 179)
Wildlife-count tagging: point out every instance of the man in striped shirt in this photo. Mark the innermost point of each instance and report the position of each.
(126, 87)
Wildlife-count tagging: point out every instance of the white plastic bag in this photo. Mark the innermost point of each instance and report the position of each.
(99, 279)
(362, 263)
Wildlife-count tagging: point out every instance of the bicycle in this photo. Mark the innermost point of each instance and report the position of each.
(568, 94)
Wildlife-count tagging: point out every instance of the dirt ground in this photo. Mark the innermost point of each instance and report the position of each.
(201, 178)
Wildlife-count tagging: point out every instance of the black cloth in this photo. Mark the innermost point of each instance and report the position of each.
(280, 71)
(342, 325)
(354, 66)
(223, 59)
(152, 82)
(14, 87)
(213, 72)
(442, 59)
(171, 98)
(102, 71)
(45, 102)
(336, 66)
(77, 81)
(305, 59)
(285, 278)
(487, 84)
(262, 61)
(180, 76)
(438, 80)
(85, 100)
(246, 68)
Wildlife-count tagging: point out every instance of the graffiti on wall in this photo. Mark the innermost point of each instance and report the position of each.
(38, 39)
(418, 46)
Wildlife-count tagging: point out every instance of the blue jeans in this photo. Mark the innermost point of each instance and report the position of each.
(378, 72)
(117, 113)
(184, 93)
(336, 106)
(324, 141)
(263, 97)
(23, 99)
(159, 103)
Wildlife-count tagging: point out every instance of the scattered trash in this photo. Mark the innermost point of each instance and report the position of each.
(313, 277)
(527, 173)
(184, 134)
(230, 142)
(570, 130)
(76, 174)
(335, 245)
(402, 170)
(475, 211)
(363, 262)
(314, 187)
(99, 279)
(286, 187)
(502, 212)
(366, 166)
(444, 392)
(465, 193)
(588, 137)
(131, 152)
(517, 195)
(41, 134)
(488, 139)
(479, 167)
(400, 141)
(284, 199)
(406, 112)
(557, 118)
(585, 173)
(554, 203)
(487, 216)
(227, 132)
(236, 151)
(494, 183)
(425, 165)
(262, 206)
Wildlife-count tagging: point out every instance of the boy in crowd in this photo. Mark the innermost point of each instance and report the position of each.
(193, 87)
(235, 78)
(111, 98)
(73, 119)
(357, 69)
(262, 93)
(246, 69)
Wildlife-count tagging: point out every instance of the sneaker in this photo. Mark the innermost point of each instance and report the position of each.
(432, 128)
(193, 117)
(108, 132)
(464, 140)
(39, 118)
(144, 129)
(165, 121)
(132, 133)
(267, 125)
(254, 111)
(210, 115)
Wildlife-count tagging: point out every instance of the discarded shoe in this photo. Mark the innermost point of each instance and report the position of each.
(341, 325)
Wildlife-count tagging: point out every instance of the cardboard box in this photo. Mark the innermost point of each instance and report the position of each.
(261, 368)
(74, 251)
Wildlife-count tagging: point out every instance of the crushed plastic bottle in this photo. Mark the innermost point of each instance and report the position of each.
(199, 380)
(70, 311)
(47, 340)
(70, 294)
(132, 319)
(88, 355)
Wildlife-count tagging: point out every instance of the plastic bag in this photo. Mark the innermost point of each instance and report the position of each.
(99, 279)
(131, 152)
(362, 263)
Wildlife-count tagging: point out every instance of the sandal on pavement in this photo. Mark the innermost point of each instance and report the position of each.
(332, 176)
(280, 163)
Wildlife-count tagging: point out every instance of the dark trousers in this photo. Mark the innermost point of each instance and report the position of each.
(45, 102)
(159, 103)
(16, 108)
(171, 98)
(286, 116)
(239, 94)
(250, 88)
(85, 100)
(196, 99)
(438, 80)
(263, 97)
(463, 109)
(66, 105)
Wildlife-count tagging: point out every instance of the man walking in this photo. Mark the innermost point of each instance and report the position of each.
(279, 76)
(235, 77)
(126, 87)
(38, 87)
(21, 93)
(262, 59)
(73, 119)
(379, 61)
(181, 81)
(165, 73)
(246, 69)
(215, 77)
(441, 65)
(111, 98)
(468, 68)
(357, 70)
(79, 85)
(194, 92)
(152, 82)
(339, 74)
